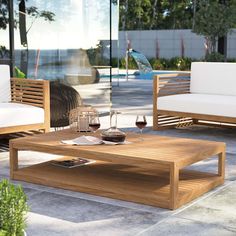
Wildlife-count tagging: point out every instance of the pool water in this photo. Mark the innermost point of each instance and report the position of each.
(138, 75)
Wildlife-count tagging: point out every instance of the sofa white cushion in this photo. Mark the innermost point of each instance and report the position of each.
(13, 114)
(199, 103)
(213, 78)
(5, 87)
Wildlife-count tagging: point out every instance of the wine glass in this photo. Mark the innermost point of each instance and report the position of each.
(94, 122)
(141, 123)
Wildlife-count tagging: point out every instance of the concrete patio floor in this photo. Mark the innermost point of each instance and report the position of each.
(66, 213)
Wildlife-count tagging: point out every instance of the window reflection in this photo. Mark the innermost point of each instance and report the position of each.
(4, 33)
(66, 42)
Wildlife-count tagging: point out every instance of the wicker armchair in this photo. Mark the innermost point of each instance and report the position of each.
(63, 99)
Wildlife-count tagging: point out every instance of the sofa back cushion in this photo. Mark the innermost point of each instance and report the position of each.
(5, 87)
(213, 78)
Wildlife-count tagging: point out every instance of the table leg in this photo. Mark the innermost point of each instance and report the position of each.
(174, 186)
(13, 160)
(221, 164)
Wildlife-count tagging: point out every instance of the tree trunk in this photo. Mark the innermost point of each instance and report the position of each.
(153, 14)
(222, 46)
(222, 41)
(23, 37)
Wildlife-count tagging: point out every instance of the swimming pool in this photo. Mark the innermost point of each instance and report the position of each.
(138, 75)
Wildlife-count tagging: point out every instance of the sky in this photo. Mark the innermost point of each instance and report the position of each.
(78, 24)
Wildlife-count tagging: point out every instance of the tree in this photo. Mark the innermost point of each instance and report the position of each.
(3, 14)
(33, 13)
(134, 14)
(4, 20)
(177, 14)
(214, 20)
(154, 14)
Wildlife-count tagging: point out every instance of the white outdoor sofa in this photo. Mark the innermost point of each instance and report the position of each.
(24, 103)
(205, 95)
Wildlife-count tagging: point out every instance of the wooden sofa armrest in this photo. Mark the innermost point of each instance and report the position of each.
(32, 92)
(168, 84)
(171, 84)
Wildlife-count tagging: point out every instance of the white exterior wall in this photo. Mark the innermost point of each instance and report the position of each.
(231, 44)
(169, 43)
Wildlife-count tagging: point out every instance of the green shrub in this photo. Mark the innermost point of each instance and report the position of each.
(131, 63)
(13, 209)
(174, 63)
(114, 62)
(231, 60)
(157, 64)
(214, 57)
(3, 233)
(19, 73)
(178, 63)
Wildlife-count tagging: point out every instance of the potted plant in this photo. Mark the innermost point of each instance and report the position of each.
(13, 209)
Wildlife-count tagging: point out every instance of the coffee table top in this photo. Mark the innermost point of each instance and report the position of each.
(154, 149)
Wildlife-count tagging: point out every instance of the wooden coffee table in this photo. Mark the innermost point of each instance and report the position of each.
(151, 171)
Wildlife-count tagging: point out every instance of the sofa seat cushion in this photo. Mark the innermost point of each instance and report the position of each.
(217, 105)
(14, 114)
(5, 83)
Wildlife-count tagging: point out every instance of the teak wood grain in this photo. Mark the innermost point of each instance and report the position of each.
(149, 171)
(31, 92)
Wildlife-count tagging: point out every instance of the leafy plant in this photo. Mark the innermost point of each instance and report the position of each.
(19, 74)
(214, 57)
(131, 63)
(13, 209)
(157, 64)
(4, 52)
(174, 63)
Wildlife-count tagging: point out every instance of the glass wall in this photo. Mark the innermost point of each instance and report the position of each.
(66, 42)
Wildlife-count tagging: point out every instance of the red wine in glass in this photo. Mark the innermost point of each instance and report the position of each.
(94, 126)
(94, 123)
(141, 123)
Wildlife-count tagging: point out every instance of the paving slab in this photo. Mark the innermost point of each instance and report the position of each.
(214, 215)
(66, 213)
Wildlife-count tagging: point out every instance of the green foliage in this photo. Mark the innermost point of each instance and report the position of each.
(231, 59)
(131, 62)
(4, 52)
(3, 233)
(179, 63)
(214, 19)
(19, 73)
(96, 55)
(114, 62)
(32, 11)
(155, 14)
(175, 63)
(134, 14)
(158, 64)
(46, 15)
(4, 19)
(13, 208)
(214, 57)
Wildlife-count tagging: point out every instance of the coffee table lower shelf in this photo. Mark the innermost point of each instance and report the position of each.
(124, 182)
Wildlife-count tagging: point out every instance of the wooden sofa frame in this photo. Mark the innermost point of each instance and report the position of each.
(31, 92)
(179, 83)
